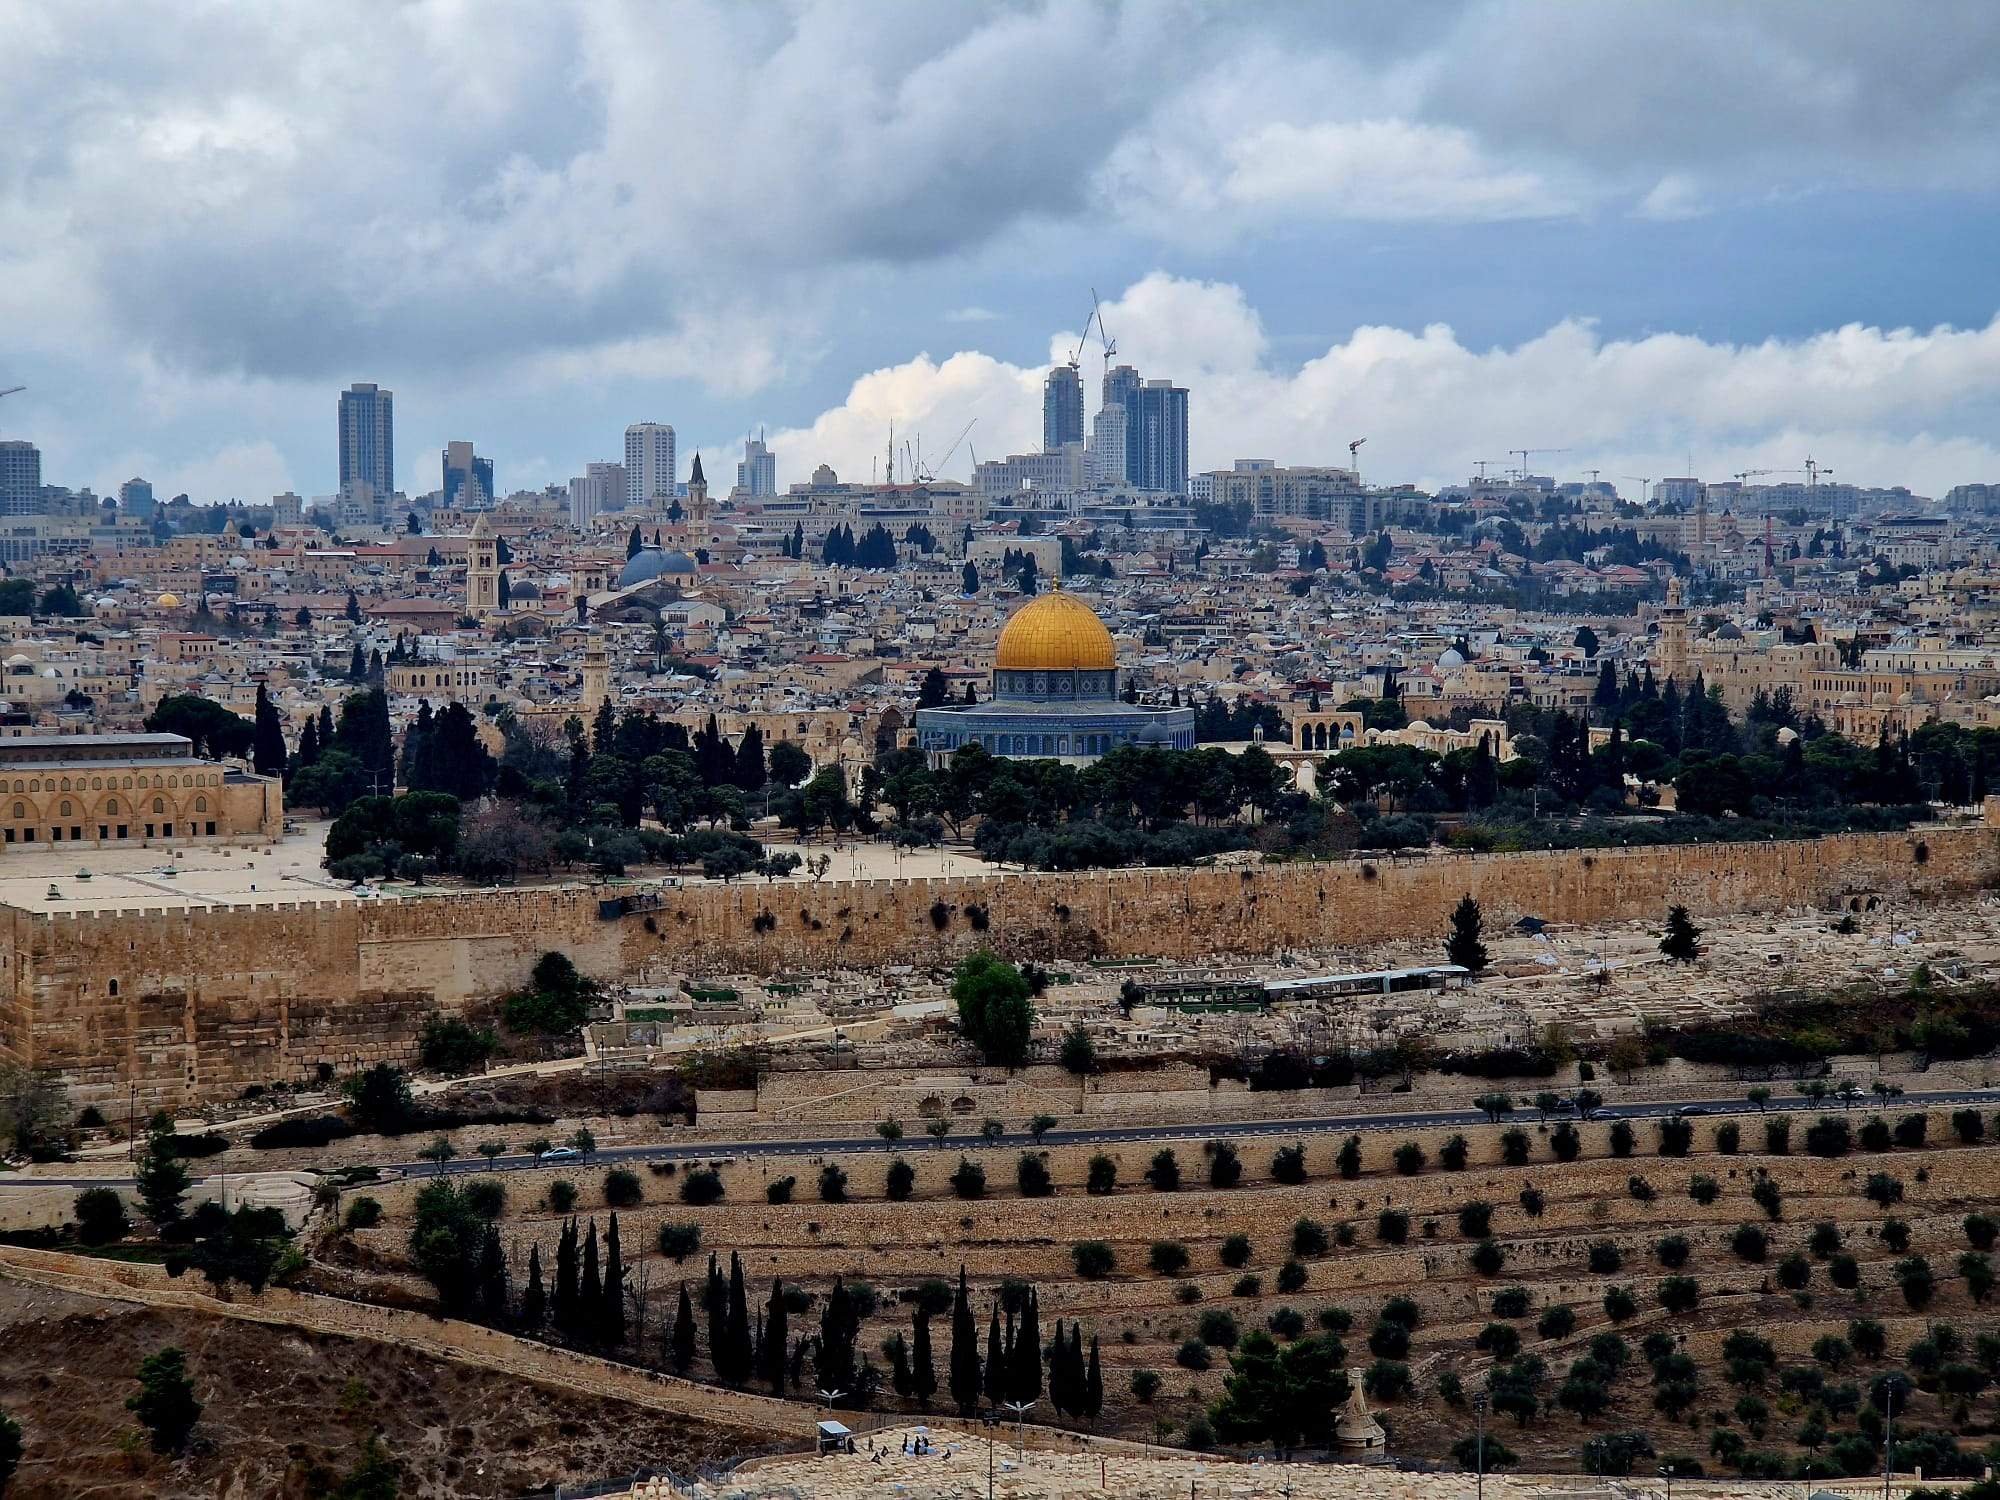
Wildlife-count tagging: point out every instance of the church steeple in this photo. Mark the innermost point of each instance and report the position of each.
(697, 506)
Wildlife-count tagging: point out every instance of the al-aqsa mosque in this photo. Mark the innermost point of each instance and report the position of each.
(1054, 695)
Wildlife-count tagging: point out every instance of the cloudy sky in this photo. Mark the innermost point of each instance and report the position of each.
(1635, 231)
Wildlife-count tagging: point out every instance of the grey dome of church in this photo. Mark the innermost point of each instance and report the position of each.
(649, 563)
(1054, 694)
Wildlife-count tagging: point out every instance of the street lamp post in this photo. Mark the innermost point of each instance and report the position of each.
(1888, 1434)
(1479, 1443)
(1020, 1410)
(991, 1421)
(1667, 1473)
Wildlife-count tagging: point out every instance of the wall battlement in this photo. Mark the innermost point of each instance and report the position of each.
(198, 1002)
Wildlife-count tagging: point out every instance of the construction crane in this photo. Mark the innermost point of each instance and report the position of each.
(926, 473)
(1645, 485)
(1482, 465)
(1353, 463)
(1524, 452)
(1076, 354)
(1103, 334)
(13, 389)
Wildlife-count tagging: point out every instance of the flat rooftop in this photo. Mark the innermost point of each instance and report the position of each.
(128, 876)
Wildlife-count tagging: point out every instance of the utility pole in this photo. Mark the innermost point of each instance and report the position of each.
(1888, 1434)
(1479, 1451)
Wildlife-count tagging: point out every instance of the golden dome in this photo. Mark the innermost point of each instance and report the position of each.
(170, 601)
(1056, 633)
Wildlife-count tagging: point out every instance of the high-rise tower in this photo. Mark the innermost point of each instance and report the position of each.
(368, 438)
(1062, 408)
(650, 466)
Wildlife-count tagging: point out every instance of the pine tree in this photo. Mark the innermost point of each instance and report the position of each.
(534, 1301)
(776, 1334)
(1682, 942)
(161, 1179)
(611, 1317)
(923, 1371)
(680, 1343)
(964, 1351)
(1462, 946)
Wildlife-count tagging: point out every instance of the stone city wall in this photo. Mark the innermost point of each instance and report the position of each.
(197, 1003)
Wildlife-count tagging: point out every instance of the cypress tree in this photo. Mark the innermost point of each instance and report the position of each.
(267, 746)
(1093, 1384)
(492, 1278)
(923, 1370)
(325, 730)
(964, 1351)
(680, 1342)
(1026, 1368)
(751, 773)
(309, 743)
(714, 1304)
(565, 1300)
(1059, 1393)
(776, 1334)
(590, 1290)
(611, 1320)
(742, 1354)
(834, 1361)
(996, 1361)
(534, 1301)
(898, 1349)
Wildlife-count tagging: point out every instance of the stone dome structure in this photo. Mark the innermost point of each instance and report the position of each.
(649, 563)
(1057, 632)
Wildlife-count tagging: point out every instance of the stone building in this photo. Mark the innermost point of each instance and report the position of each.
(115, 788)
(1055, 694)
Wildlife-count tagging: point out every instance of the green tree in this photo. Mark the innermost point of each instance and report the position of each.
(1682, 942)
(994, 1010)
(160, 1179)
(1462, 945)
(165, 1405)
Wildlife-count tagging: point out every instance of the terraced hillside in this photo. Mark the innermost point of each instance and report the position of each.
(1741, 1304)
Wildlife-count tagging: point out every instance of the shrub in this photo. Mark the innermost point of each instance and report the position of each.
(1031, 1175)
(1101, 1177)
(1388, 1340)
(1386, 1379)
(779, 1189)
(1402, 1310)
(621, 1188)
(1619, 1303)
(1218, 1328)
(486, 1198)
(1676, 1137)
(1451, 1155)
(453, 1046)
(1868, 1337)
(312, 1130)
(1488, 1258)
(679, 1241)
(1165, 1172)
(1392, 1226)
(1409, 1159)
(1145, 1385)
(1475, 1219)
(1187, 1292)
(1911, 1131)
(1199, 1437)
(1308, 1239)
(100, 1216)
(1289, 1165)
(1604, 1257)
(1348, 1159)
(1532, 1201)
(1671, 1251)
(1914, 1280)
(1794, 1271)
(1767, 1197)
(1844, 1271)
(1167, 1257)
(1896, 1235)
(1728, 1138)
(1565, 1142)
(1640, 1190)
(1286, 1322)
(1248, 1286)
(1980, 1230)
(1514, 1147)
(1335, 1320)
(1094, 1259)
(1777, 1135)
(1192, 1355)
(1832, 1351)
(1621, 1139)
(1501, 1340)
(701, 1187)
(1225, 1168)
(1824, 1240)
(1969, 1126)
(1749, 1242)
(901, 1181)
(1235, 1251)
(1291, 1277)
(1557, 1322)
(1678, 1294)
(562, 1195)
(1875, 1134)
(968, 1179)
(363, 1213)
(1829, 1136)
(1882, 1189)
(1511, 1303)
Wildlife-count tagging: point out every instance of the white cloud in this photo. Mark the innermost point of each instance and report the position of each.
(1882, 406)
(251, 472)
(973, 314)
(1672, 198)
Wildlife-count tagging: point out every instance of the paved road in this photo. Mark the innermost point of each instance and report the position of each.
(1111, 1135)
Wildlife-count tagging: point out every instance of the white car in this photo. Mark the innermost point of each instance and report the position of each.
(558, 1154)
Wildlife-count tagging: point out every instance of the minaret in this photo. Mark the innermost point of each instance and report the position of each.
(482, 573)
(596, 675)
(1674, 636)
(697, 506)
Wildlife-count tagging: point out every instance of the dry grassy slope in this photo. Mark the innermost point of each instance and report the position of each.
(274, 1403)
(1142, 1320)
